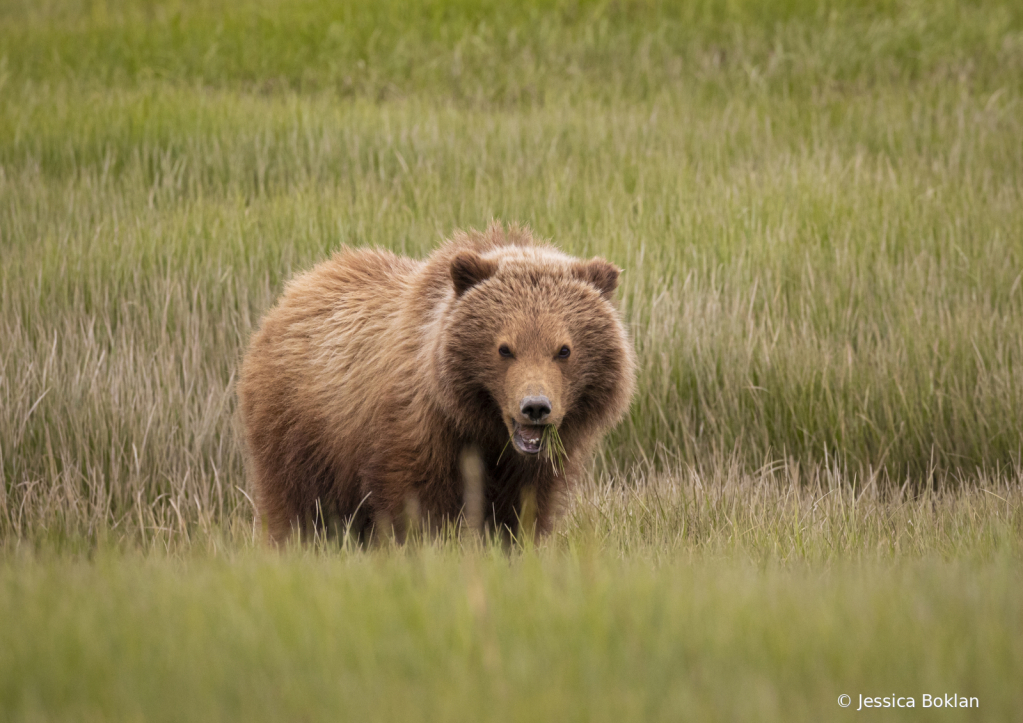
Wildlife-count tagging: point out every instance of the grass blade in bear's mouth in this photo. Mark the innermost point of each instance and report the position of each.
(554, 447)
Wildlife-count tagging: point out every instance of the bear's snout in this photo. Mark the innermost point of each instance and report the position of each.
(536, 408)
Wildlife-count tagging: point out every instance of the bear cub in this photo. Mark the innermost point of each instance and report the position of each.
(381, 388)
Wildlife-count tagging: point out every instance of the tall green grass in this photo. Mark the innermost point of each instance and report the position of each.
(447, 634)
(817, 209)
(752, 597)
(486, 51)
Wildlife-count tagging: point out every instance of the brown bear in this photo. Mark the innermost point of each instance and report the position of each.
(380, 384)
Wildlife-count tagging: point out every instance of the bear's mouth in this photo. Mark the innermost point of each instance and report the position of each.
(527, 438)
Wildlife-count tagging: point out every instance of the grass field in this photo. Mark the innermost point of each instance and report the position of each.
(819, 210)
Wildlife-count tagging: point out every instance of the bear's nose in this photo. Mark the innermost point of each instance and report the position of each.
(536, 408)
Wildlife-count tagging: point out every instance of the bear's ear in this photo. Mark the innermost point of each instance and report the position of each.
(602, 274)
(469, 269)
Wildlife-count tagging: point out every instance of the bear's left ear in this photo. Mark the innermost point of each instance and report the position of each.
(469, 269)
(602, 274)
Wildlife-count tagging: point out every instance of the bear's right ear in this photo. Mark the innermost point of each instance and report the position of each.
(469, 269)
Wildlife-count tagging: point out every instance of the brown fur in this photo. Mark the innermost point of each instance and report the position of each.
(376, 377)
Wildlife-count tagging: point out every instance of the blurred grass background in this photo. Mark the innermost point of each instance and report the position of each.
(443, 635)
(819, 210)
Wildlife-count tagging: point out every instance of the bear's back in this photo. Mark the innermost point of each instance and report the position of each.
(312, 365)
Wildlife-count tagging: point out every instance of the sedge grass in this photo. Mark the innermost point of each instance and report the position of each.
(653, 601)
(817, 206)
(553, 448)
(813, 305)
(820, 233)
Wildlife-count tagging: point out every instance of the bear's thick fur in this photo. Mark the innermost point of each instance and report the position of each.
(380, 385)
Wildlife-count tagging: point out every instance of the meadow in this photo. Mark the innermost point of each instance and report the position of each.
(818, 207)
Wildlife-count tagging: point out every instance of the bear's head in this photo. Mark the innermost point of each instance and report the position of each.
(532, 338)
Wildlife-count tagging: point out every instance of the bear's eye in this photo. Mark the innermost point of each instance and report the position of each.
(504, 351)
(565, 351)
